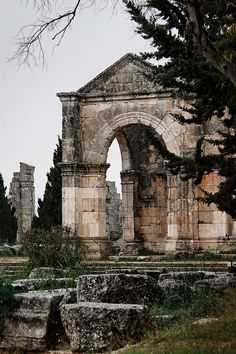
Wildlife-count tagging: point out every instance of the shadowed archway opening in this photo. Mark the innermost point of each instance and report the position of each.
(144, 190)
(114, 198)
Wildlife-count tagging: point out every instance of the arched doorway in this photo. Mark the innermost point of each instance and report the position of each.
(144, 190)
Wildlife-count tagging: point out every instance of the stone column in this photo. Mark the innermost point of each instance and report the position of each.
(182, 216)
(91, 210)
(214, 225)
(70, 128)
(84, 206)
(22, 196)
(70, 184)
(131, 244)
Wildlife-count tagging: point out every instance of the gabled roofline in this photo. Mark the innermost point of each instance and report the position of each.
(126, 59)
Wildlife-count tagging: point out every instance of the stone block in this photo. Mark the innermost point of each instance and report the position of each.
(29, 325)
(188, 277)
(37, 283)
(98, 326)
(118, 288)
(174, 290)
(46, 272)
(219, 283)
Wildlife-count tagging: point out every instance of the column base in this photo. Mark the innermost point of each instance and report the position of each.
(95, 248)
(131, 248)
(185, 245)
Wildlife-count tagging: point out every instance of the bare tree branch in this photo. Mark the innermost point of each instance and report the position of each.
(31, 37)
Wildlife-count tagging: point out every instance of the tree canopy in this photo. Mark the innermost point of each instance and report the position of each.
(49, 208)
(8, 221)
(196, 40)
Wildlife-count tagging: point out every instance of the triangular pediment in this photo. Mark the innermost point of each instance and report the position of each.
(130, 74)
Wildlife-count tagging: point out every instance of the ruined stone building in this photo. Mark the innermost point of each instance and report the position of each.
(22, 197)
(160, 212)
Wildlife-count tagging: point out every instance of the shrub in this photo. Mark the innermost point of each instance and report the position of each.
(56, 247)
(7, 300)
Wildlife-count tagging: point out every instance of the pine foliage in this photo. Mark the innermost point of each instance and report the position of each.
(49, 208)
(8, 221)
(183, 67)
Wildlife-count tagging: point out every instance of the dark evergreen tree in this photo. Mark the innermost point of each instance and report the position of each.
(49, 208)
(166, 23)
(8, 221)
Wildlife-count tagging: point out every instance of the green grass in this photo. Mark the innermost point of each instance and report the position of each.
(181, 336)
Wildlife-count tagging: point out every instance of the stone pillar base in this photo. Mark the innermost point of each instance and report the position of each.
(131, 247)
(94, 247)
(187, 245)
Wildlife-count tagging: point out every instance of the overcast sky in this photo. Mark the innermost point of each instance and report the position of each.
(30, 111)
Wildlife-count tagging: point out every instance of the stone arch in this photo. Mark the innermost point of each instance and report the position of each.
(124, 149)
(116, 123)
(140, 202)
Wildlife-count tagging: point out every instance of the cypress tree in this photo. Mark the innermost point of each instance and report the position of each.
(166, 25)
(8, 221)
(49, 208)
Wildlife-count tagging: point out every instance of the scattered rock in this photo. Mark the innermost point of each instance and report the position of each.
(36, 284)
(118, 288)
(96, 326)
(202, 321)
(46, 272)
(219, 283)
(175, 290)
(188, 277)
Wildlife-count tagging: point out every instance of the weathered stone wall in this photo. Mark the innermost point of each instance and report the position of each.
(22, 196)
(150, 193)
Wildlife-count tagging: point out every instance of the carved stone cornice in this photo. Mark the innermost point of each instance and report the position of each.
(83, 169)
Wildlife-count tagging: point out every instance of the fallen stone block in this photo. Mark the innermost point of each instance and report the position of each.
(46, 272)
(118, 289)
(29, 325)
(97, 326)
(175, 291)
(23, 285)
(188, 277)
(217, 284)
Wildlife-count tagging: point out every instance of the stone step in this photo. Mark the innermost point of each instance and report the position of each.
(134, 266)
(10, 267)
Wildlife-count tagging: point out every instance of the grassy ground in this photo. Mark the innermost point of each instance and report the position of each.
(182, 336)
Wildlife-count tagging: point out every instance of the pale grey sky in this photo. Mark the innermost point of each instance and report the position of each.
(30, 111)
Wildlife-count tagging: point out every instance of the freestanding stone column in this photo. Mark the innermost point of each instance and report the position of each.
(84, 205)
(131, 244)
(22, 196)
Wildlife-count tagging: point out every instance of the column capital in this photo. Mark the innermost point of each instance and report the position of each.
(129, 176)
(83, 168)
